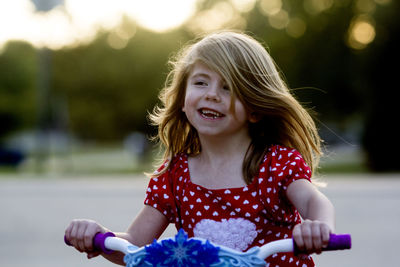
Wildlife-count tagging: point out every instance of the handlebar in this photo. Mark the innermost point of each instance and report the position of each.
(255, 256)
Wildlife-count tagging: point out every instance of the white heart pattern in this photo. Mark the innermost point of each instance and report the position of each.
(235, 233)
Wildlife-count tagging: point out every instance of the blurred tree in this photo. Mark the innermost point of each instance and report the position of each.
(316, 61)
(380, 136)
(18, 67)
(109, 90)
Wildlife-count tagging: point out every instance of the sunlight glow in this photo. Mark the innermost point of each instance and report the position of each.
(221, 15)
(296, 27)
(79, 21)
(279, 20)
(161, 15)
(361, 32)
(270, 7)
(244, 5)
(118, 38)
(314, 7)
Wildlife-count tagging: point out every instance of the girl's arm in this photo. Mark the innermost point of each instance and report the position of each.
(318, 214)
(149, 224)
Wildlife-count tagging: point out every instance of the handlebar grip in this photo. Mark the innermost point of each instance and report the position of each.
(98, 242)
(336, 242)
(339, 242)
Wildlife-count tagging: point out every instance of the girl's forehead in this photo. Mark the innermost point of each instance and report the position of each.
(202, 69)
(199, 67)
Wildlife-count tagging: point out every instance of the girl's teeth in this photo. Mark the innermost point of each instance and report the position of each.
(210, 113)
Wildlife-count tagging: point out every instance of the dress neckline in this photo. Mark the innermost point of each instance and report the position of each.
(231, 189)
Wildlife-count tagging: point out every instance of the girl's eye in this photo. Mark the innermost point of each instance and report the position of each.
(200, 83)
(225, 87)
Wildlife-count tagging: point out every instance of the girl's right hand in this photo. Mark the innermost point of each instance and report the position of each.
(80, 234)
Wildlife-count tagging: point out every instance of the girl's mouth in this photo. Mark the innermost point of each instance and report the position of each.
(210, 114)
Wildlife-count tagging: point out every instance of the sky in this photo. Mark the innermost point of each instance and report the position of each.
(75, 21)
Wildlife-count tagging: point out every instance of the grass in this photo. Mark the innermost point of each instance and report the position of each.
(92, 160)
(351, 167)
(95, 160)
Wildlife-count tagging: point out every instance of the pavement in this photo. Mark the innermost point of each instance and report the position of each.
(34, 212)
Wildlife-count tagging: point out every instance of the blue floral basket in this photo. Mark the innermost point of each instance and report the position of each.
(182, 251)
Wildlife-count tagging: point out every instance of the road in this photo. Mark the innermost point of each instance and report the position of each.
(35, 211)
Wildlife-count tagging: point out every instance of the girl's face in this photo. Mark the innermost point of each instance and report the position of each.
(208, 105)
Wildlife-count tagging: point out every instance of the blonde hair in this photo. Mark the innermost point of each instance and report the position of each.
(253, 77)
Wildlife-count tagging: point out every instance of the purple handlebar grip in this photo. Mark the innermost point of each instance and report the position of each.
(336, 242)
(98, 242)
(339, 242)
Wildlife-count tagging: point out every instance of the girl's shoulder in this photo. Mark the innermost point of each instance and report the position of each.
(284, 161)
(280, 152)
(172, 162)
(177, 163)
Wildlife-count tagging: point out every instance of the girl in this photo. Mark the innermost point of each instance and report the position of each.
(239, 155)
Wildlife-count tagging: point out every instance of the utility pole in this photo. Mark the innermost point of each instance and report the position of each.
(44, 93)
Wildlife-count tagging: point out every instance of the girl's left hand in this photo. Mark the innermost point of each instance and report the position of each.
(311, 236)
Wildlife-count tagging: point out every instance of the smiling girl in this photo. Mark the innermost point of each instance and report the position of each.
(239, 155)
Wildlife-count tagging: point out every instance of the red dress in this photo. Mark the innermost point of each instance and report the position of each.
(239, 218)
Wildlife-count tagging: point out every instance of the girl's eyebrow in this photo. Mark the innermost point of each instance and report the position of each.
(199, 75)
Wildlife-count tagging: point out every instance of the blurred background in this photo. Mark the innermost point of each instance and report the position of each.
(78, 78)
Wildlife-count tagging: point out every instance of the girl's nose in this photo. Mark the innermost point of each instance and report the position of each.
(212, 93)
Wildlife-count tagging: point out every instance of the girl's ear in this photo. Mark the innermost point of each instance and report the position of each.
(254, 117)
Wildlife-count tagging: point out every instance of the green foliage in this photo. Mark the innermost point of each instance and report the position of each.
(110, 91)
(18, 66)
(318, 65)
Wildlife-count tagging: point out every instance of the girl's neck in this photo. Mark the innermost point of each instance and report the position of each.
(217, 150)
(219, 165)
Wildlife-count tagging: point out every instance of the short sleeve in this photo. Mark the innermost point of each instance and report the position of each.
(159, 195)
(294, 167)
(281, 167)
